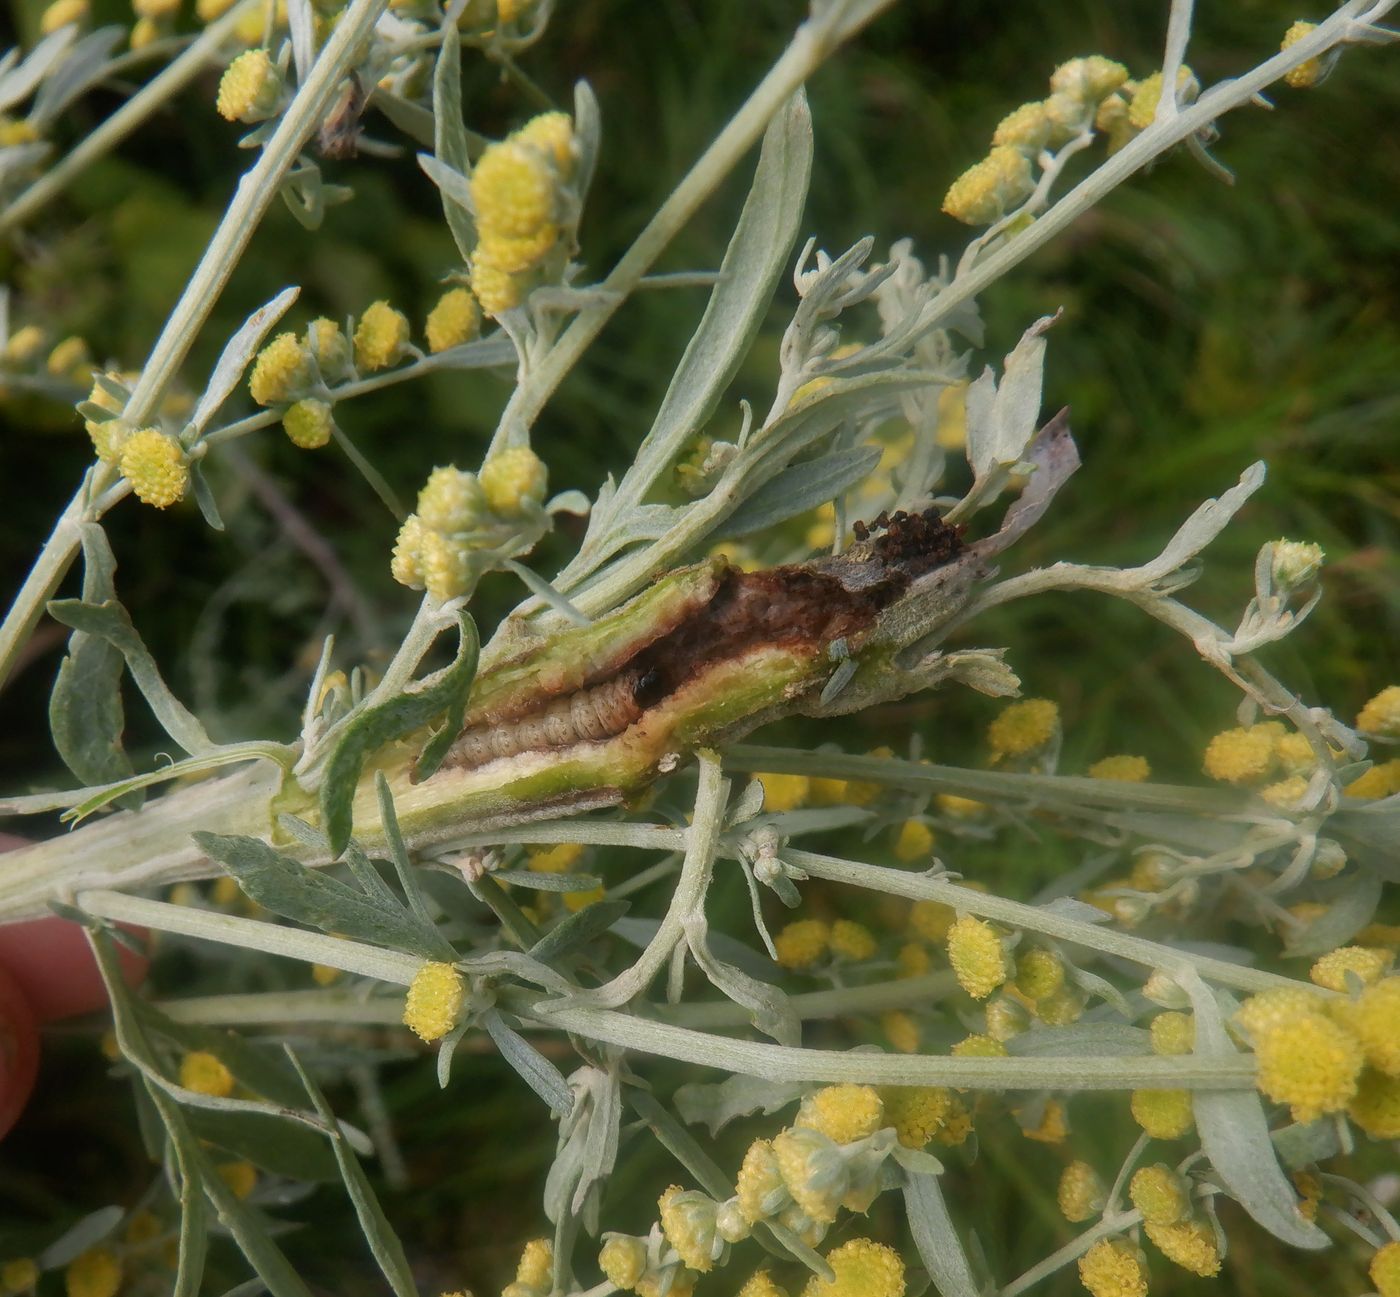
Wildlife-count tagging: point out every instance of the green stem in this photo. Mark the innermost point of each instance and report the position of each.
(1072, 1251)
(811, 45)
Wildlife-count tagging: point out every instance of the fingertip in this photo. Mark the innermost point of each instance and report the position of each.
(52, 962)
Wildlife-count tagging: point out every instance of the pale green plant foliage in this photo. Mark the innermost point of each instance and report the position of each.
(457, 872)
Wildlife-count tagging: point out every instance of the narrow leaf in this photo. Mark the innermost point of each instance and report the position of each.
(237, 352)
(799, 488)
(450, 140)
(578, 930)
(535, 1069)
(940, 1249)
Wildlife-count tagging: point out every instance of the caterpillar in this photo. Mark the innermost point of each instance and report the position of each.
(601, 712)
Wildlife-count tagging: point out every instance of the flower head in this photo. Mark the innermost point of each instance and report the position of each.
(1039, 972)
(1121, 769)
(1309, 1063)
(760, 1188)
(1242, 756)
(1308, 72)
(445, 566)
(1142, 107)
(553, 135)
(513, 191)
(862, 1269)
(454, 320)
(406, 566)
(1081, 1193)
(155, 466)
(1163, 1114)
(514, 481)
(1173, 1033)
(1381, 714)
(1113, 1268)
(1191, 1244)
(60, 13)
(494, 287)
(988, 188)
(205, 1073)
(1023, 727)
(249, 88)
(308, 423)
(1294, 563)
(917, 1112)
(801, 944)
(852, 941)
(1385, 1270)
(380, 337)
(931, 920)
(901, 1031)
(1381, 780)
(1089, 78)
(451, 500)
(1374, 1019)
(760, 1284)
(18, 1275)
(281, 371)
(843, 1113)
(915, 841)
(1026, 128)
(1336, 969)
(688, 1221)
(783, 792)
(623, 1260)
(96, 1273)
(813, 1171)
(976, 954)
(1376, 1105)
(434, 1000)
(1159, 1194)
(327, 344)
(1272, 1009)
(70, 359)
(240, 1177)
(536, 1264)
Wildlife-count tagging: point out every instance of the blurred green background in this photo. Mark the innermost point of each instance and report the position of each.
(1204, 327)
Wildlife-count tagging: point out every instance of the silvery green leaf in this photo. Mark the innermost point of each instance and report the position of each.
(383, 1243)
(748, 804)
(1305, 1144)
(939, 1247)
(17, 83)
(109, 621)
(1105, 990)
(85, 708)
(916, 1161)
(716, 1105)
(1089, 1039)
(73, 1242)
(450, 166)
(302, 24)
(601, 1141)
(1350, 910)
(538, 586)
(413, 120)
(797, 489)
(447, 1049)
(537, 1071)
(769, 1009)
(1371, 833)
(574, 502)
(277, 1146)
(578, 930)
(1235, 1134)
(204, 497)
(539, 882)
(287, 887)
(83, 67)
(1071, 907)
(588, 136)
(398, 852)
(1204, 525)
(680, 1143)
(749, 274)
(1002, 420)
(194, 1226)
(237, 352)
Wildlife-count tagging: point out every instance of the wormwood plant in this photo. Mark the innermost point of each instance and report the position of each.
(532, 838)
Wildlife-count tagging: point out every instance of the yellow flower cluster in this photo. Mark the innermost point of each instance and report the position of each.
(1251, 754)
(623, 1260)
(843, 1113)
(1081, 1194)
(96, 1273)
(534, 1272)
(514, 481)
(1147, 94)
(1381, 780)
(977, 957)
(1039, 973)
(240, 1177)
(381, 337)
(308, 423)
(61, 13)
(281, 372)
(802, 944)
(1163, 1114)
(434, 1000)
(519, 195)
(1003, 179)
(688, 1221)
(784, 792)
(1121, 769)
(1385, 1270)
(1113, 1268)
(1159, 1194)
(1381, 714)
(249, 89)
(1173, 1032)
(852, 941)
(917, 1112)
(1336, 969)
(1308, 72)
(913, 842)
(155, 466)
(1023, 727)
(454, 320)
(1191, 1244)
(861, 1268)
(205, 1073)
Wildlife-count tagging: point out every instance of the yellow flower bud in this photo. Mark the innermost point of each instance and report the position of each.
(801, 944)
(1173, 1033)
(1113, 1268)
(983, 193)
(1385, 1270)
(1053, 1126)
(24, 344)
(513, 191)
(109, 436)
(1191, 1244)
(917, 1112)
(308, 423)
(553, 135)
(843, 1113)
(1376, 1105)
(1381, 780)
(813, 1171)
(406, 567)
(1121, 769)
(495, 288)
(1163, 1114)
(1242, 756)
(451, 500)
(978, 1046)
(329, 347)
(1062, 1007)
(1308, 72)
(960, 808)
(1039, 972)
(60, 13)
(783, 792)
(1374, 1019)
(445, 565)
(280, 372)
(1027, 128)
(688, 1221)
(380, 337)
(70, 357)
(915, 841)
(1381, 714)
(862, 1268)
(913, 960)
(1089, 78)
(1006, 1017)
(240, 1177)
(155, 466)
(205, 1073)
(515, 481)
(1307, 1062)
(1286, 794)
(1081, 1193)
(1272, 1009)
(518, 255)
(250, 88)
(931, 920)
(454, 320)
(1142, 107)
(852, 941)
(759, 1186)
(623, 1260)
(957, 1126)
(901, 1031)
(96, 1273)
(1160, 1195)
(760, 1284)
(144, 32)
(558, 859)
(536, 1265)
(976, 954)
(1023, 727)
(18, 1275)
(1336, 968)
(434, 1001)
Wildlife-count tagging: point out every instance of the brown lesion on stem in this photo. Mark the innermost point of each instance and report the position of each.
(800, 608)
